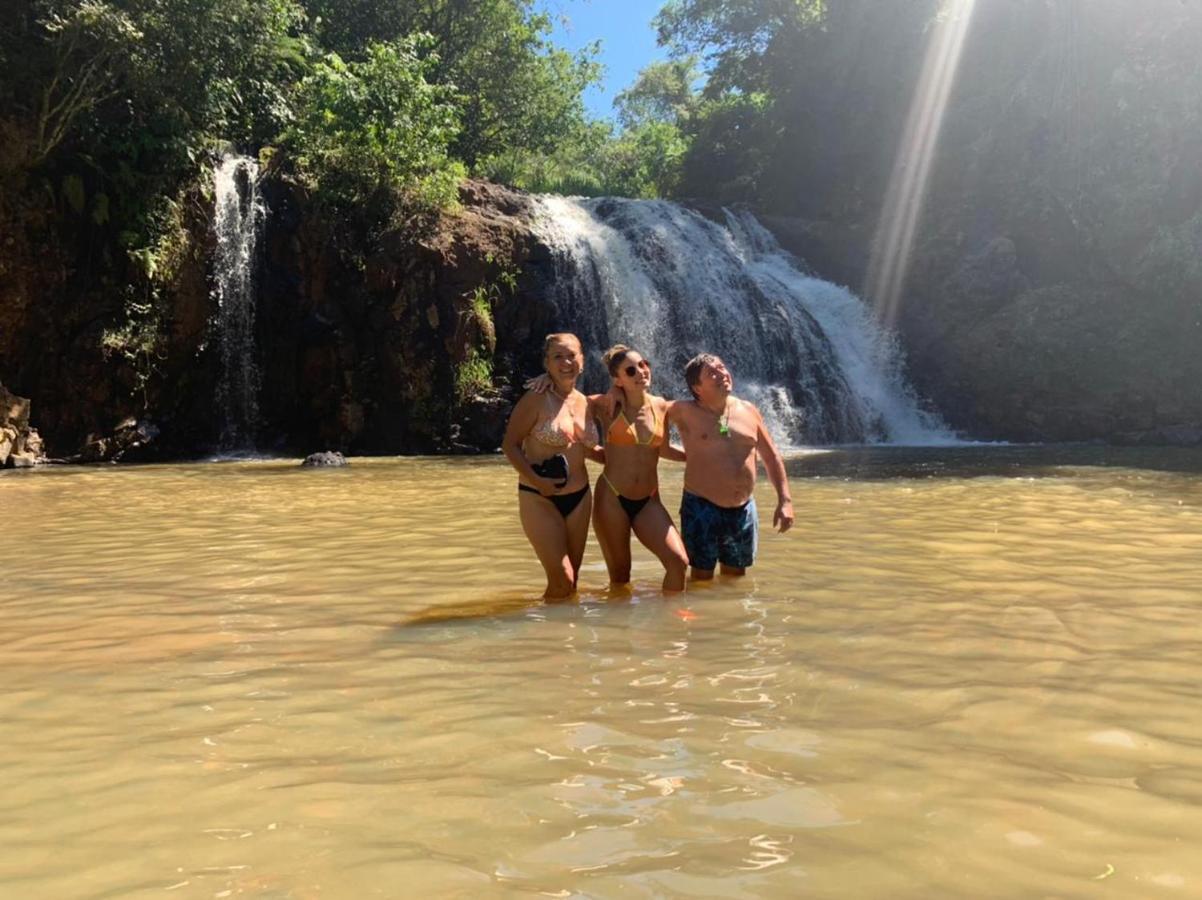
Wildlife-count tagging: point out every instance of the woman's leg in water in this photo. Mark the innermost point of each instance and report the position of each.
(654, 529)
(613, 534)
(577, 525)
(548, 535)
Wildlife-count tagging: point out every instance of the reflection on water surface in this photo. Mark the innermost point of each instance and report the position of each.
(966, 672)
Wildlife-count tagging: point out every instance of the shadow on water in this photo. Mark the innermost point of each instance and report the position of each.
(502, 606)
(471, 610)
(884, 463)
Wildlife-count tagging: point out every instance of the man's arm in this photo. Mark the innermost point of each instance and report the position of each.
(774, 466)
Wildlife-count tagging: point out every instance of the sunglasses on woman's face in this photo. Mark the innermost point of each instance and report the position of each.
(641, 364)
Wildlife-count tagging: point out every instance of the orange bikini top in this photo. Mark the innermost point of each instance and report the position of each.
(623, 433)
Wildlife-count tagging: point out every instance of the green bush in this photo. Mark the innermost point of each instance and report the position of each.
(473, 375)
(371, 126)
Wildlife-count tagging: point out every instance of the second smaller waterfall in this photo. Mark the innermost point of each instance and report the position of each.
(238, 221)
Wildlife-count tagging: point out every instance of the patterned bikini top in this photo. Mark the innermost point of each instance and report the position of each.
(555, 429)
(623, 433)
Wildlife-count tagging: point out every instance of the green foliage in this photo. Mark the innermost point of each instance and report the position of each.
(663, 92)
(516, 90)
(481, 307)
(370, 126)
(747, 42)
(783, 72)
(473, 375)
(574, 167)
(644, 161)
(114, 104)
(89, 48)
(139, 339)
(736, 138)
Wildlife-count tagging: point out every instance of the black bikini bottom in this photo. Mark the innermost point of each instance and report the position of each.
(633, 507)
(565, 503)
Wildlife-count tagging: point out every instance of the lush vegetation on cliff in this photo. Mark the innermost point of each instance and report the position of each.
(1051, 279)
(108, 106)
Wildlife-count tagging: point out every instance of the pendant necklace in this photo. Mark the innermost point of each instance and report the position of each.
(724, 421)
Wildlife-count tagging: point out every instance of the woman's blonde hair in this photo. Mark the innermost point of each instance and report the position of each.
(560, 337)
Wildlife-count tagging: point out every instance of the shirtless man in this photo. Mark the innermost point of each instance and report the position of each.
(722, 437)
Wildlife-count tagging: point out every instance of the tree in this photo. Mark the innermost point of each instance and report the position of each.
(377, 124)
(663, 92)
(517, 91)
(745, 41)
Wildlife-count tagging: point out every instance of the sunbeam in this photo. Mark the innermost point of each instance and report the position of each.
(894, 240)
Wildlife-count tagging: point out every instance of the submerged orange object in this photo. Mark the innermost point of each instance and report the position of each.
(686, 614)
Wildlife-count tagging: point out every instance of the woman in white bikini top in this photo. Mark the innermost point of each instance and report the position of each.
(560, 431)
(547, 439)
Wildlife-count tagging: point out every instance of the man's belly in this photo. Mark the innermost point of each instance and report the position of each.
(724, 482)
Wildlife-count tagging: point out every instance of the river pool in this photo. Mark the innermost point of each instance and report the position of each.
(966, 672)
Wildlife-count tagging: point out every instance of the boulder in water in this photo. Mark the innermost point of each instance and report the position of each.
(325, 459)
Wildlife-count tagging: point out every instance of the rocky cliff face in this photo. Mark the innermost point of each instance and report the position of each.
(421, 348)
(20, 445)
(413, 345)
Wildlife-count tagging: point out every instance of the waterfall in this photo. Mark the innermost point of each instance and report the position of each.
(672, 283)
(239, 216)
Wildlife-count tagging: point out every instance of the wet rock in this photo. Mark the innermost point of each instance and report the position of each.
(20, 445)
(128, 442)
(399, 324)
(483, 421)
(325, 459)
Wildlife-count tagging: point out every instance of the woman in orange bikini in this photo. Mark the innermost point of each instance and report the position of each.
(628, 490)
(548, 436)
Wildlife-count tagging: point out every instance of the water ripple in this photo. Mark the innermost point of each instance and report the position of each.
(251, 679)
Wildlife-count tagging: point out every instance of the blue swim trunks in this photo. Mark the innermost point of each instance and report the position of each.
(713, 533)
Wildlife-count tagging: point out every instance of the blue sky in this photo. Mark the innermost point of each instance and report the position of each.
(627, 40)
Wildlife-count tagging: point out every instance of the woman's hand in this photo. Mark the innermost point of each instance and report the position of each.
(545, 486)
(540, 384)
(609, 401)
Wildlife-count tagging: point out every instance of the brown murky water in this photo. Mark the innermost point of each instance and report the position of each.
(965, 673)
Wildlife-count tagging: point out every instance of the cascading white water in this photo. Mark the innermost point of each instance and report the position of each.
(238, 220)
(672, 283)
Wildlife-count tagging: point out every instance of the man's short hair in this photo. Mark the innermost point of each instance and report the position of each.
(692, 369)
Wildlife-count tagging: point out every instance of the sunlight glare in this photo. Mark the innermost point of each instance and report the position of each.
(894, 240)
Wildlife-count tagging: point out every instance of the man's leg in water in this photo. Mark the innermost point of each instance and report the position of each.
(697, 529)
(739, 539)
